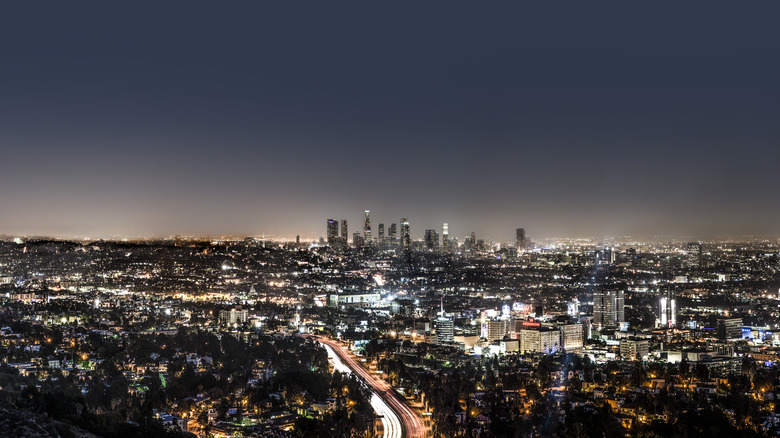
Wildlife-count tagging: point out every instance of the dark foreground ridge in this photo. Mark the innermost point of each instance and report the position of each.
(21, 424)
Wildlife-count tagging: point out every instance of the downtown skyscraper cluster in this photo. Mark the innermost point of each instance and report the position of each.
(399, 237)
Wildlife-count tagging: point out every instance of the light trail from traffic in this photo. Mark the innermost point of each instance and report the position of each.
(391, 424)
(411, 424)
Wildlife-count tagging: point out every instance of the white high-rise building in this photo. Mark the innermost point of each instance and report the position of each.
(539, 340)
(608, 308)
(445, 328)
(571, 337)
(667, 308)
(406, 239)
(233, 316)
(367, 229)
(573, 308)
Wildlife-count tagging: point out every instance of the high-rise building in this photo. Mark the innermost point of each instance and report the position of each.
(495, 329)
(344, 235)
(667, 308)
(729, 328)
(694, 254)
(431, 239)
(393, 232)
(630, 256)
(470, 242)
(332, 231)
(634, 348)
(520, 239)
(233, 316)
(445, 237)
(571, 337)
(357, 240)
(406, 239)
(380, 238)
(573, 308)
(445, 328)
(608, 308)
(605, 256)
(367, 229)
(539, 340)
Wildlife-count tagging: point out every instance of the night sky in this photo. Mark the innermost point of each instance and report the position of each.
(163, 118)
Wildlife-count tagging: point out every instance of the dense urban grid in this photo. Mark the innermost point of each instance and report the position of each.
(378, 333)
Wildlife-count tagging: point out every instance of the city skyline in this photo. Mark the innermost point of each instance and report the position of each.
(389, 220)
(264, 120)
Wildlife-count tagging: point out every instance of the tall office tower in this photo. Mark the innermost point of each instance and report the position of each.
(344, 235)
(381, 237)
(520, 239)
(332, 231)
(470, 242)
(367, 229)
(431, 239)
(495, 329)
(571, 336)
(445, 237)
(667, 308)
(694, 253)
(357, 240)
(608, 308)
(605, 256)
(573, 308)
(406, 239)
(393, 232)
(729, 328)
(445, 328)
(539, 340)
(630, 256)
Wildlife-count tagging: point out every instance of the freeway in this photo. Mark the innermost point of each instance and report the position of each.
(391, 424)
(399, 420)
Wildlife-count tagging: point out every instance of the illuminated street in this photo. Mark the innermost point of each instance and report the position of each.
(398, 418)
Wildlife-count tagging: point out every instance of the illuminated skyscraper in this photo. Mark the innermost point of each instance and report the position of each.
(573, 308)
(445, 237)
(381, 237)
(571, 336)
(608, 308)
(470, 243)
(667, 308)
(694, 253)
(729, 328)
(406, 239)
(520, 239)
(367, 229)
(445, 328)
(431, 239)
(605, 256)
(344, 235)
(393, 233)
(332, 231)
(357, 240)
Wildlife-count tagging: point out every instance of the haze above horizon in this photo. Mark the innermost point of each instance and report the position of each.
(186, 119)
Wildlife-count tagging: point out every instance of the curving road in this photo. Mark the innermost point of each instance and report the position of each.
(391, 424)
(398, 419)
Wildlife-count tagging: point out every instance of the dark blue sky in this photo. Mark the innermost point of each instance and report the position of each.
(186, 117)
